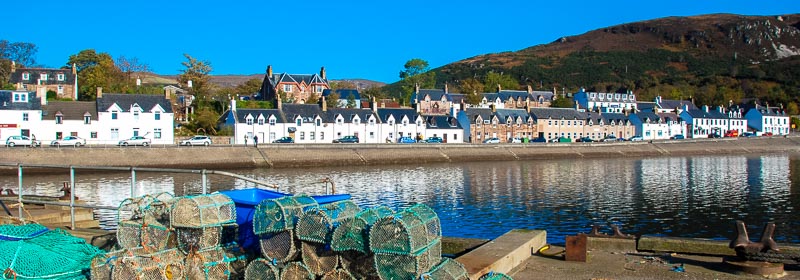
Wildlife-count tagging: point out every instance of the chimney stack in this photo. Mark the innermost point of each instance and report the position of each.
(269, 71)
(499, 88)
(99, 92)
(167, 93)
(445, 88)
(13, 66)
(324, 105)
(374, 104)
(41, 92)
(322, 73)
(74, 69)
(278, 100)
(530, 89)
(233, 104)
(138, 81)
(494, 108)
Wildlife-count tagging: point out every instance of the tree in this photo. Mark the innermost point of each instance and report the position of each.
(792, 109)
(342, 85)
(95, 70)
(197, 72)
(375, 92)
(206, 119)
(312, 98)
(129, 66)
(416, 73)
(472, 89)
(351, 101)
(493, 79)
(248, 88)
(562, 103)
(332, 100)
(20, 52)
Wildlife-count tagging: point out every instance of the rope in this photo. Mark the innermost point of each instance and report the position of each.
(9, 270)
(546, 247)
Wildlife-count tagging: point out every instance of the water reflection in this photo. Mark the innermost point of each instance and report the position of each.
(670, 196)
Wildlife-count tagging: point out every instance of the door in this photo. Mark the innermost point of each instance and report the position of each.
(444, 138)
(26, 132)
(58, 135)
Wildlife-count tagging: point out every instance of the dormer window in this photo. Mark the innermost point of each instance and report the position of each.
(249, 120)
(157, 115)
(356, 121)
(114, 115)
(59, 118)
(391, 122)
(26, 76)
(592, 95)
(298, 121)
(260, 121)
(87, 119)
(43, 76)
(272, 121)
(20, 97)
(339, 120)
(318, 122)
(135, 114)
(631, 97)
(61, 77)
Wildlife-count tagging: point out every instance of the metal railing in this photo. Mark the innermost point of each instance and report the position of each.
(72, 205)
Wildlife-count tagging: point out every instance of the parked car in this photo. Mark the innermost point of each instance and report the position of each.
(434, 139)
(678, 137)
(197, 140)
(493, 140)
(406, 140)
(748, 134)
(538, 140)
(767, 133)
(21, 140)
(515, 140)
(636, 138)
(285, 139)
(135, 141)
(609, 138)
(714, 135)
(585, 140)
(347, 139)
(732, 133)
(74, 141)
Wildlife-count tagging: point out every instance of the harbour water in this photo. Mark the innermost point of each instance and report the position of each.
(697, 196)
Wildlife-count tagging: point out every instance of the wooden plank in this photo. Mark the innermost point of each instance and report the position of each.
(504, 253)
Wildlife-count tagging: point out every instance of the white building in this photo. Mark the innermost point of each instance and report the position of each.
(606, 102)
(70, 118)
(768, 119)
(20, 114)
(121, 116)
(653, 126)
(703, 122)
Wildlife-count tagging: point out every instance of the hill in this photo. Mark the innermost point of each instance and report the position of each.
(713, 58)
(235, 80)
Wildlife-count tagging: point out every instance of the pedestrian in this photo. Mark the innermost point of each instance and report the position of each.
(245, 140)
(255, 141)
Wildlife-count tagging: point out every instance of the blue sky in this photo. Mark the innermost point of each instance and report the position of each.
(352, 39)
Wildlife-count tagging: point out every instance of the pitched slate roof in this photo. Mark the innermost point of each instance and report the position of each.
(241, 115)
(70, 110)
(308, 112)
(615, 117)
(126, 101)
(646, 106)
(770, 111)
(672, 104)
(513, 94)
(457, 97)
(557, 113)
(348, 114)
(435, 94)
(398, 113)
(35, 74)
(297, 78)
(504, 114)
(343, 93)
(484, 113)
(442, 122)
(546, 95)
(711, 114)
(7, 98)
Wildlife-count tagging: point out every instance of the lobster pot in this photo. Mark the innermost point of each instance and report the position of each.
(102, 265)
(134, 207)
(359, 265)
(197, 239)
(353, 233)
(152, 236)
(319, 258)
(449, 269)
(261, 269)
(406, 232)
(317, 225)
(159, 209)
(202, 211)
(281, 247)
(495, 276)
(281, 214)
(216, 263)
(412, 266)
(163, 265)
(296, 271)
(338, 274)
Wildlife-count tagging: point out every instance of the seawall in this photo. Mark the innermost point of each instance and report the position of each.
(308, 155)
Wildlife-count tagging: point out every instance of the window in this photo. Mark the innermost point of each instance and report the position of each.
(115, 133)
(485, 121)
(371, 135)
(157, 116)
(371, 121)
(26, 76)
(302, 135)
(25, 117)
(271, 121)
(319, 122)
(93, 134)
(43, 77)
(60, 89)
(287, 88)
(135, 115)
(113, 115)
(61, 76)
(249, 121)
(260, 121)
(298, 122)
(357, 121)
(20, 97)
(311, 135)
(272, 136)
(87, 119)
(322, 135)
(59, 119)
(157, 133)
(135, 132)
(318, 89)
(455, 136)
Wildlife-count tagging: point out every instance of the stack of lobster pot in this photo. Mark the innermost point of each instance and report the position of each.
(204, 222)
(351, 241)
(447, 269)
(274, 223)
(143, 222)
(315, 230)
(221, 262)
(408, 244)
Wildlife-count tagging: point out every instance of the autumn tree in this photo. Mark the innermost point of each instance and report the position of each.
(19, 52)
(95, 70)
(351, 101)
(197, 71)
(248, 88)
(128, 67)
(493, 79)
(332, 100)
(472, 90)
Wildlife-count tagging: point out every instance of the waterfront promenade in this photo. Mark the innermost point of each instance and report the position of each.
(307, 155)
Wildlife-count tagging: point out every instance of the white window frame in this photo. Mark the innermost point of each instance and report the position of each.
(61, 77)
(26, 76)
(43, 76)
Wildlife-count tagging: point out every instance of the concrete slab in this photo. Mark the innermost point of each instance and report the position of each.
(685, 245)
(611, 244)
(503, 253)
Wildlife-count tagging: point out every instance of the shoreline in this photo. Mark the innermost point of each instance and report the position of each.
(322, 155)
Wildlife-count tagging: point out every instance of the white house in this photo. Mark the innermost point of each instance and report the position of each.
(399, 122)
(446, 127)
(70, 118)
(768, 119)
(20, 114)
(703, 122)
(121, 116)
(653, 126)
(606, 102)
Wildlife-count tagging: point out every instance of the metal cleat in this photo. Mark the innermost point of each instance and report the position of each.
(615, 228)
(743, 245)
